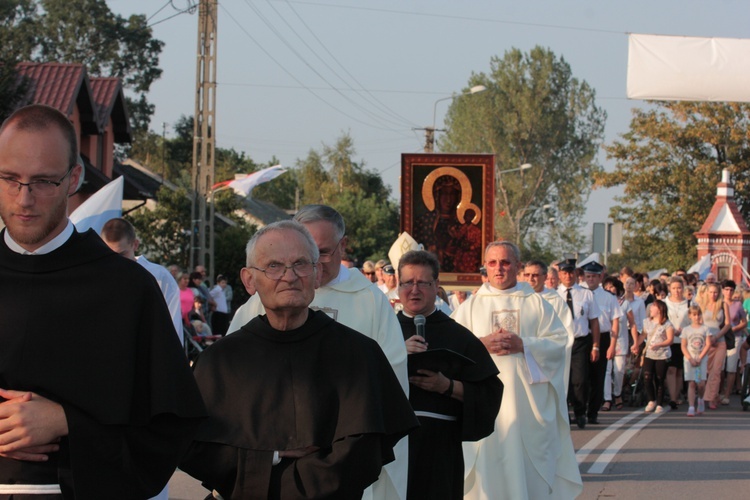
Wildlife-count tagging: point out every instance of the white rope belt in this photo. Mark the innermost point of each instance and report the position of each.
(30, 489)
(438, 416)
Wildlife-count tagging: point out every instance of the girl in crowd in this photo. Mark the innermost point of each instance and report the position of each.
(187, 296)
(716, 318)
(616, 366)
(677, 310)
(695, 343)
(658, 334)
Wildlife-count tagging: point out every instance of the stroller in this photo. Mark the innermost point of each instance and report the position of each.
(634, 387)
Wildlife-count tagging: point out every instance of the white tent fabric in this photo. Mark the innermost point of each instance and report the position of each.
(103, 205)
(680, 68)
(702, 267)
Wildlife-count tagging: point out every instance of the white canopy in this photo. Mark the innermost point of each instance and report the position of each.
(680, 68)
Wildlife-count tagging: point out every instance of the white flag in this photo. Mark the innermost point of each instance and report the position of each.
(104, 205)
(244, 185)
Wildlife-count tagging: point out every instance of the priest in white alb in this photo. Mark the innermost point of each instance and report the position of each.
(530, 454)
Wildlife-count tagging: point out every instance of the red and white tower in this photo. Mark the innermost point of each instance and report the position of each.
(725, 236)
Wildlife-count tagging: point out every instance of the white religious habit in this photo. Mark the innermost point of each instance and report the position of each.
(354, 301)
(530, 454)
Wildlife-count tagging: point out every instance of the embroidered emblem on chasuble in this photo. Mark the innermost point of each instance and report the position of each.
(333, 313)
(507, 319)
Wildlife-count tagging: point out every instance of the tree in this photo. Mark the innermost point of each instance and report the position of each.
(534, 111)
(334, 178)
(165, 231)
(86, 32)
(17, 20)
(669, 164)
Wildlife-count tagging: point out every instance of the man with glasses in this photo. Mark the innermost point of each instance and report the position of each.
(530, 454)
(352, 300)
(537, 275)
(85, 410)
(453, 406)
(300, 406)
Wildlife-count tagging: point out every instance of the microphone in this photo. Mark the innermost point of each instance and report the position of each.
(419, 321)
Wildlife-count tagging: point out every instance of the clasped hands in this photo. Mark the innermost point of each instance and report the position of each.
(502, 342)
(30, 426)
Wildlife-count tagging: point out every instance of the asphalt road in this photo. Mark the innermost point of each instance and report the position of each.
(631, 454)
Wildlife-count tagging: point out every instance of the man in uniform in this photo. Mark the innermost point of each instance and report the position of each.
(585, 351)
(300, 406)
(86, 411)
(537, 274)
(609, 328)
(352, 300)
(455, 406)
(530, 455)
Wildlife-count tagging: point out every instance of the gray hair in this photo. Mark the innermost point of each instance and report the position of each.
(507, 244)
(284, 225)
(315, 213)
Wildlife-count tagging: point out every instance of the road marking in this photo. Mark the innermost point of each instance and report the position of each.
(584, 452)
(607, 455)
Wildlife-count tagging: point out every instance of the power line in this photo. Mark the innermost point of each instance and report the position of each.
(291, 75)
(462, 18)
(311, 67)
(383, 105)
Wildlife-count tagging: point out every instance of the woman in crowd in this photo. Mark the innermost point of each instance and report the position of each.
(677, 309)
(187, 296)
(658, 334)
(738, 322)
(616, 366)
(716, 318)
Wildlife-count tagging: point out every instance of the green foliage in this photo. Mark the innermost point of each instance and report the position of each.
(669, 164)
(371, 223)
(165, 231)
(334, 178)
(17, 19)
(534, 111)
(86, 32)
(229, 254)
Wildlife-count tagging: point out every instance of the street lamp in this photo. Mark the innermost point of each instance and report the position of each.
(429, 145)
(525, 166)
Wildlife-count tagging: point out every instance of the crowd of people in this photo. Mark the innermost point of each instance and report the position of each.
(330, 381)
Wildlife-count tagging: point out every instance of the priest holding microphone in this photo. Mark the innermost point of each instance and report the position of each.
(455, 401)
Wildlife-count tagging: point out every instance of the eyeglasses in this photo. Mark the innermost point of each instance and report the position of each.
(532, 275)
(422, 285)
(276, 271)
(40, 188)
(327, 256)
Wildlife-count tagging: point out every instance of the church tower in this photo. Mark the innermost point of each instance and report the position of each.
(725, 236)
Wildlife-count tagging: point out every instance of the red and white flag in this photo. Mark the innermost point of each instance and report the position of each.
(245, 185)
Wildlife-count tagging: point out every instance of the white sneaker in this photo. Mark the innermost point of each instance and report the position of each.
(701, 406)
(747, 400)
(659, 409)
(691, 412)
(651, 405)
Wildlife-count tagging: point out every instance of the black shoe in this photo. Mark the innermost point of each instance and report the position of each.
(581, 421)
(673, 405)
(593, 419)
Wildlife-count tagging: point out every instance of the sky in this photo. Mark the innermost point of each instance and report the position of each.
(293, 75)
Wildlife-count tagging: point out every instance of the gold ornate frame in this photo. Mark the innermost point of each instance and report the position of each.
(475, 174)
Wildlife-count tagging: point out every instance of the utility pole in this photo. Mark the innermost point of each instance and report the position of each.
(204, 133)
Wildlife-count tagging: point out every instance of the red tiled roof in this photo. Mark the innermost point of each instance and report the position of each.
(61, 86)
(53, 84)
(105, 92)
